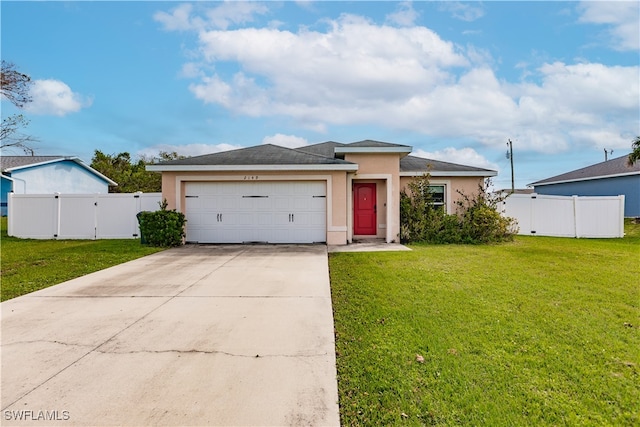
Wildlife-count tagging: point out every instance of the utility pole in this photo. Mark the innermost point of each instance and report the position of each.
(510, 157)
(606, 154)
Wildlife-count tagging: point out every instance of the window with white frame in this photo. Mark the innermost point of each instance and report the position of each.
(438, 192)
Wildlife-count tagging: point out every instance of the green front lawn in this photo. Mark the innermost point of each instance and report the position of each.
(541, 331)
(28, 265)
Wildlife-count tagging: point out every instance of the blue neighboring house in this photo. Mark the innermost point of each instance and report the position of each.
(48, 175)
(610, 178)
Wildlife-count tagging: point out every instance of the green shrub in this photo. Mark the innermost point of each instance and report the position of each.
(163, 227)
(477, 219)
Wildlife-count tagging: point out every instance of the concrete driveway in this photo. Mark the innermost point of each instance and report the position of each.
(196, 335)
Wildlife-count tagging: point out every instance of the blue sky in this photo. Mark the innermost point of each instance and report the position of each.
(455, 80)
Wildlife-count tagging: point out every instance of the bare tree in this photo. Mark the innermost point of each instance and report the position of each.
(15, 86)
(10, 137)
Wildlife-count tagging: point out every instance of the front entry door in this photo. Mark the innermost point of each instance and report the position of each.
(364, 209)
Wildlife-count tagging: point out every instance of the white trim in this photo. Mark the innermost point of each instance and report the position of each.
(347, 149)
(75, 160)
(447, 193)
(451, 173)
(46, 162)
(388, 178)
(564, 181)
(231, 168)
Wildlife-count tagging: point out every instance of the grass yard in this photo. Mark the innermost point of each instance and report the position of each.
(28, 265)
(541, 331)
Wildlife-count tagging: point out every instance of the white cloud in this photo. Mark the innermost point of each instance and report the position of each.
(608, 137)
(188, 150)
(191, 70)
(179, 19)
(621, 17)
(55, 98)
(464, 156)
(355, 63)
(463, 11)
(404, 16)
(234, 12)
(410, 79)
(226, 14)
(289, 141)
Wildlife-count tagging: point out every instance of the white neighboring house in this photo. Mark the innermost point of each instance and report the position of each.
(48, 175)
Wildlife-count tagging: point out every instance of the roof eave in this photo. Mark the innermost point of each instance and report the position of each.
(373, 150)
(591, 178)
(451, 173)
(229, 168)
(31, 165)
(75, 160)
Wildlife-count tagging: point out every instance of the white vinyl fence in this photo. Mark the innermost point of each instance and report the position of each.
(566, 216)
(78, 216)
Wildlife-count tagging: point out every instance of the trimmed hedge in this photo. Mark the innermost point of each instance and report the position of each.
(163, 227)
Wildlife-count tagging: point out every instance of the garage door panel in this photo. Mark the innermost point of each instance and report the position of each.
(274, 212)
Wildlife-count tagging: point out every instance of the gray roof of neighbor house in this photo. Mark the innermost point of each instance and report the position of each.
(262, 157)
(611, 168)
(9, 164)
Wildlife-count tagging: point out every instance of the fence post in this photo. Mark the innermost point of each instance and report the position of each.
(58, 211)
(621, 215)
(95, 216)
(137, 196)
(10, 215)
(576, 216)
(532, 222)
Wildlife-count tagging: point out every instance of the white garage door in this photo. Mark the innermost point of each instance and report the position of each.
(244, 212)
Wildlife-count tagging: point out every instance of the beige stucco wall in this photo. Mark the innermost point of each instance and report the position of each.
(468, 185)
(381, 169)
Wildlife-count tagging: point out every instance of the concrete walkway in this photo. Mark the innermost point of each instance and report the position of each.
(197, 335)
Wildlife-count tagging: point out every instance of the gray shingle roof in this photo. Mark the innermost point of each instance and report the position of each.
(613, 167)
(316, 154)
(418, 164)
(266, 154)
(8, 162)
(326, 149)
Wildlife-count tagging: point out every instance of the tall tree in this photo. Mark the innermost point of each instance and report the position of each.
(131, 176)
(635, 154)
(15, 86)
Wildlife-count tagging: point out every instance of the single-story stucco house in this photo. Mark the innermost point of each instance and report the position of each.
(329, 192)
(613, 177)
(48, 175)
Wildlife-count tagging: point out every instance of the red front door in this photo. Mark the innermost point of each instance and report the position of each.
(364, 209)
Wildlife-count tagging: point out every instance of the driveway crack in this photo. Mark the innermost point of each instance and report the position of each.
(226, 353)
(7, 344)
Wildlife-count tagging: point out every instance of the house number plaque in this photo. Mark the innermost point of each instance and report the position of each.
(250, 177)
